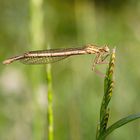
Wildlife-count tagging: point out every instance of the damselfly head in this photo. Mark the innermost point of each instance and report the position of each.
(106, 49)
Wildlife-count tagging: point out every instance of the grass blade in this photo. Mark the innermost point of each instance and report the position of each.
(120, 123)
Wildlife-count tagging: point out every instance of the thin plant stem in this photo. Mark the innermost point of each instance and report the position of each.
(50, 128)
(108, 89)
(36, 42)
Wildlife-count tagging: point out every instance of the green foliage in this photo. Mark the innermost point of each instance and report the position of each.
(120, 123)
(103, 131)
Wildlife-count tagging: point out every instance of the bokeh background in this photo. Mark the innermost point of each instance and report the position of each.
(77, 91)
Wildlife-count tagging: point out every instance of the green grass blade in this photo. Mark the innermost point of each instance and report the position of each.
(120, 123)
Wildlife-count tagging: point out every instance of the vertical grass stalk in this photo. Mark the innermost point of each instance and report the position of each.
(37, 42)
(108, 88)
(50, 104)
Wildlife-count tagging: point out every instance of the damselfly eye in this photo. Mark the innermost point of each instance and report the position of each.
(106, 49)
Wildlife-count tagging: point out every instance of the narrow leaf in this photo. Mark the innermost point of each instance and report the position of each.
(120, 123)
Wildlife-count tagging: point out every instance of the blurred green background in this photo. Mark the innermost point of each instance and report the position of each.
(77, 89)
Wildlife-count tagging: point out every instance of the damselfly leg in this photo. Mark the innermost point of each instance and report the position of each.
(100, 59)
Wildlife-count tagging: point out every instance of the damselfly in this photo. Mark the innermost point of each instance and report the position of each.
(53, 55)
